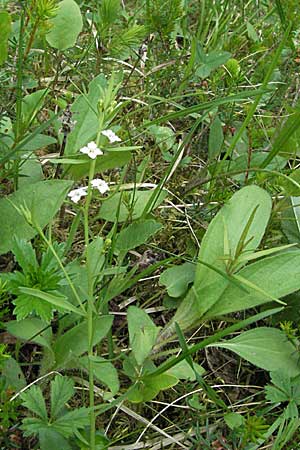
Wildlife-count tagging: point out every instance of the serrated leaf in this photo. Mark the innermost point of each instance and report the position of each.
(33, 425)
(62, 389)
(59, 302)
(27, 305)
(24, 254)
(71, 422)
(43, 199)
(65, 26)
(33, 400)
(177, 278)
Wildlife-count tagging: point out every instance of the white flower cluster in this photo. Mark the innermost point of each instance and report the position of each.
(97, 183)
(92, 150)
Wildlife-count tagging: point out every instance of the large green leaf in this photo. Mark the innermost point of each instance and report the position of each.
(28, 328)
(65, 26)
(85, 114)
(277, 275)
(233, 219)
(231, 224)
(43, 199)
(105, 162)
(267, 348)
(74, 342)
(5, 28)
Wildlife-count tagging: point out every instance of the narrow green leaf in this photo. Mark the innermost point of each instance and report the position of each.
(5, 29)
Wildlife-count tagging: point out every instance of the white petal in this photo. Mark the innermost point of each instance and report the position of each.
(84, 150)
(111, 136)
(92, 145)
(100, 184)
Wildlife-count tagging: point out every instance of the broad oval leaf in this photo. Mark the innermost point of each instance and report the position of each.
(277, 276)
(65, 26)
(177, 278)
(142, 333)
(74, 342)
(267, 348)
(32, 329)
(43, 199)
(245, 217)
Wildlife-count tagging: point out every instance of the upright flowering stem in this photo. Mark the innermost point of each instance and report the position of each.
(90, 306)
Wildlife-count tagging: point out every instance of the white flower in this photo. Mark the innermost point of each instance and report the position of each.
(111, 136)
(76, 194)
(91, 150)
(101, 185)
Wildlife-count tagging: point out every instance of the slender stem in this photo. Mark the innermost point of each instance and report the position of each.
(19, 92)
(62, 268)
(32, 35)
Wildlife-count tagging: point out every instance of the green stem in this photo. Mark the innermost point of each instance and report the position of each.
(90, 308)
(90, 304)
(48, 242)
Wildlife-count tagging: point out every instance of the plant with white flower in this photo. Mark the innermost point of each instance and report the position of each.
(92, 150)
(76, 194)
(112, 137)
(100, 184)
